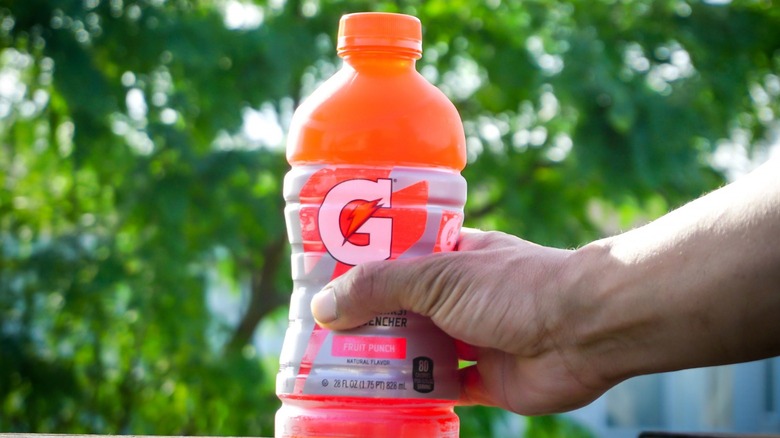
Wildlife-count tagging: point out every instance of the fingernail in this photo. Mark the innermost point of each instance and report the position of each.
(323, 306)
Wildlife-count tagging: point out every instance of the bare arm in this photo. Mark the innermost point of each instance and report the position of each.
(553, 329)
(699, 286)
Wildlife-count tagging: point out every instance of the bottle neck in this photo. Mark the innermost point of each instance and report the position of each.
(370, 59)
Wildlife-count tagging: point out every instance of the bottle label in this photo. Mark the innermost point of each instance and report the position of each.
(341, 216)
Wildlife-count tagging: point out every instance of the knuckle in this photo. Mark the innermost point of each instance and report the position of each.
(485, 240)
(439, 279)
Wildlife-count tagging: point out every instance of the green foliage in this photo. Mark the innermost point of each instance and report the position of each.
(127, 184)
(552, 427)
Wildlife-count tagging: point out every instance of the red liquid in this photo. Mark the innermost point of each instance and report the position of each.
(328, 416)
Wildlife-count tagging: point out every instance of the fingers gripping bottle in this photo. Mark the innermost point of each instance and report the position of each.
(376, 155)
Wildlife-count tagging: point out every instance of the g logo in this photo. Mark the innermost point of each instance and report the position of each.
(347, 225)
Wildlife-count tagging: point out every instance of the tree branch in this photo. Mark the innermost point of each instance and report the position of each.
(264, 297)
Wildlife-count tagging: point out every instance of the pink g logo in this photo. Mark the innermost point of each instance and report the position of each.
(348, 228)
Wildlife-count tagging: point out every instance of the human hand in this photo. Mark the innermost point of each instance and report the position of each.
(552, 329)
(506, 299)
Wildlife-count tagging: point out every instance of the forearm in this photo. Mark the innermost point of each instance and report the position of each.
(700, 286)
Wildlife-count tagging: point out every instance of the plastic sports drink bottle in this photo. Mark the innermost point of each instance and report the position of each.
(376, 155)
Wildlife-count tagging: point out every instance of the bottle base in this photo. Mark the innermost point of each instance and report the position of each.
(329, 416)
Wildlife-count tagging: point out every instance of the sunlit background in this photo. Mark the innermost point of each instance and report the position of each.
(144, 272)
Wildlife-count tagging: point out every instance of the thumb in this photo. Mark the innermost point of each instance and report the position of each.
(373, 288)
(420, 285)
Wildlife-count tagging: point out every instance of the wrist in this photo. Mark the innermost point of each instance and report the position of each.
(610, 316)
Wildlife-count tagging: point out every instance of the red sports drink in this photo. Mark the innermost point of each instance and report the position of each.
(376, 155)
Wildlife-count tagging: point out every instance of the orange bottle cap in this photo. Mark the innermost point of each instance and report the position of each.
(380, 30)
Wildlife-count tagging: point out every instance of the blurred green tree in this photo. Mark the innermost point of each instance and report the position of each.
(141, 161)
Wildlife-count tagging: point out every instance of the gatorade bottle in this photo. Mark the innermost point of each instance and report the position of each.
(376, 155)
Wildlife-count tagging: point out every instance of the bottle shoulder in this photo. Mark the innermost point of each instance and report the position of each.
(395, 117)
